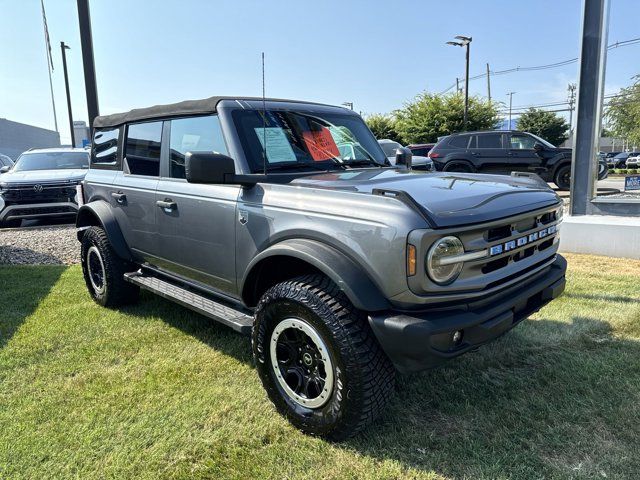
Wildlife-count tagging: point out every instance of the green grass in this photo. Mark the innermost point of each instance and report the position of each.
(155, 391)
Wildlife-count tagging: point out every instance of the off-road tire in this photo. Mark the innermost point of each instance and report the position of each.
(562, 177)
(459, 166)
(364, 377)
(116, 290)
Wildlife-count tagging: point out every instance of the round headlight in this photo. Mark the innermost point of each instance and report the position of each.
(440, 270)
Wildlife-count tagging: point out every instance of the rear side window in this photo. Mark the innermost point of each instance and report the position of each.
(104, 150)
(142, 148)
(193, 134)
(492, 140)
(460, 141)
(421, 152)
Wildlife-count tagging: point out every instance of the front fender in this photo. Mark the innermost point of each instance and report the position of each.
(98, 213)
(341, 269)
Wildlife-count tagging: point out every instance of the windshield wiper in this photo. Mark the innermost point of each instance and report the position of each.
(299, 166)
(362, 161)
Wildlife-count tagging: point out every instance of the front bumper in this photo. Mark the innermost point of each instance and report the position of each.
(421, 340)
(37, 210)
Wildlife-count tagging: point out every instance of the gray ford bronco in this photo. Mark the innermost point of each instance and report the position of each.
(285, 221)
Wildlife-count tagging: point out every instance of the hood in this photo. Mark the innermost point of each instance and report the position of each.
(43, 176)
(446, 199)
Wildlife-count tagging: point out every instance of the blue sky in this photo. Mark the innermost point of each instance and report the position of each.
(376, 54)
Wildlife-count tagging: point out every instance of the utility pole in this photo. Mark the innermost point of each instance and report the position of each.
(464, 42)
(86, 42)
(457, 85)
(488, 84)
(348, 104)
(510, 103)
(64, 48)
(572, 100)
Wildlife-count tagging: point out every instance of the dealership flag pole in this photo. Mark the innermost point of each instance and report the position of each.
(49, 62)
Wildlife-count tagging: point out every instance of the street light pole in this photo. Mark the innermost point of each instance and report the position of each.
(348, 104)
(464, 42)
(510, 103)
(64, 48)
(86, 43)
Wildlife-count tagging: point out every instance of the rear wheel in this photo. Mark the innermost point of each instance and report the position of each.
(104, 271)
(562, 178)
(457, 166)
(318, 359)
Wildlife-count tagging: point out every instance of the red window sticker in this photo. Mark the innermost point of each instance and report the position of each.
(320, 144)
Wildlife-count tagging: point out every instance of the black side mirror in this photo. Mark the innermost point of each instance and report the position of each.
(5, 169)
(206, 167)
(538, 147)
(404, 157)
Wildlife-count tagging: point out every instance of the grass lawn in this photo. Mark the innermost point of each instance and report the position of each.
(155, 391)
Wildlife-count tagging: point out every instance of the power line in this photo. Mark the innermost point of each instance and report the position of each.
(618, 44)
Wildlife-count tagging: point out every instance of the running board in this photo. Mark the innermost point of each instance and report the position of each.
(229, 316)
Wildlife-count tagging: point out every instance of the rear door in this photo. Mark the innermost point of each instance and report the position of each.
(488, 153)
(133, 192)
(522, 154)
(196, 234)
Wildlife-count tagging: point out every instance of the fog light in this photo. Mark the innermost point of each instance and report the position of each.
(457, 337)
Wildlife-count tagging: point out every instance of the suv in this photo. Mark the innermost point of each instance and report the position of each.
(620, 160)
(42, 184)
(342, 270)
(503, 151)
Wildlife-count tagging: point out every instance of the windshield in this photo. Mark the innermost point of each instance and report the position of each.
(543, 141)
(622, 155)
(389, 148)
(305, 140)
(51, 161)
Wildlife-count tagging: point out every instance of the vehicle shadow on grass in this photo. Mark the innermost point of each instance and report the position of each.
(549, 399)
(205, 330)
(22, 288)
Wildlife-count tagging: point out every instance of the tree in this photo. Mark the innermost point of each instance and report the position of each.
(623, 113)
(383, 126)
(547, 125)
(429, 116)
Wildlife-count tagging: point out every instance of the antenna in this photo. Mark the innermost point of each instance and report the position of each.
(264, 123)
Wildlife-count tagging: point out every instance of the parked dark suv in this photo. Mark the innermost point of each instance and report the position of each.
(505, 151)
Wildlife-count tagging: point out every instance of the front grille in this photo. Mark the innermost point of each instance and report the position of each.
(29, 194)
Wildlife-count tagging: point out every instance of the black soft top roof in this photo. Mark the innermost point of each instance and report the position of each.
(187, 107)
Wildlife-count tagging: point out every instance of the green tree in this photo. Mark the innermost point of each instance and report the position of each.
(383, 126)
(547, 125)
(623, 113)
(429, 116)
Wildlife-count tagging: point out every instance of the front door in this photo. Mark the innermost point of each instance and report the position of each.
(523, 156)
(132, 194)
(196, 223)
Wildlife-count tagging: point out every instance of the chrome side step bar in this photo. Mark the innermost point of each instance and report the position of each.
(238, 320)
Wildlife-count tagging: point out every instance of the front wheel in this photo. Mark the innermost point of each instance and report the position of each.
(318, 359)
(562, 177)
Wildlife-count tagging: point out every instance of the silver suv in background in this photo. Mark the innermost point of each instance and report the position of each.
(283, 220)
(42, 184)
(392, 149)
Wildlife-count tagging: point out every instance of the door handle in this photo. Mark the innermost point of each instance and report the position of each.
(119, 197)
(167, 204)
(475, 154)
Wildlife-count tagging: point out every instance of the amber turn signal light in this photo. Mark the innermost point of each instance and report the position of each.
(411, 260)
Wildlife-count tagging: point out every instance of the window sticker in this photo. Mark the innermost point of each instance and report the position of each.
(320, 144)
(278, 147)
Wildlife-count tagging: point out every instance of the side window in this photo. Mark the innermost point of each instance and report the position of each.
(193, 134)
(492, 140)
(142, 148)
(104, 150)
(460, 141)
(522, 142)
